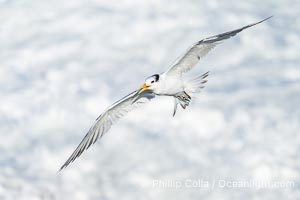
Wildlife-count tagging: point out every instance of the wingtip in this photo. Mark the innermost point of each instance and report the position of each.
(251, 25)
(61, 169)
(264, 20)
(64, 166)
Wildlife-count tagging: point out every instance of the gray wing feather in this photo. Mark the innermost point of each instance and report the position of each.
(201, 48)
(104, 122)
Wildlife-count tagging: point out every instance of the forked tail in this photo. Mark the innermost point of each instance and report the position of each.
(191, 87)
(195, 85)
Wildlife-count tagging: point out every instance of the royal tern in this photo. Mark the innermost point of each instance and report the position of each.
(169, 83)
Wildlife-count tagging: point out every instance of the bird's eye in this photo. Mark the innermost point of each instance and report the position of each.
(152, 81)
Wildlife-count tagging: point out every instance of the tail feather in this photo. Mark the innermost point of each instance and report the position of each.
(193, 86)
(196, 85)
(176, 101)
(181, 98)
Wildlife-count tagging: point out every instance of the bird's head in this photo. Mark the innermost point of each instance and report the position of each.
(150, 83)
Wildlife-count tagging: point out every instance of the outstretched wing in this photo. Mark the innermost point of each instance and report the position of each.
(200, 49)
(107, 119)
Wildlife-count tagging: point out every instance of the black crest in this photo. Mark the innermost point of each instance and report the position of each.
(156, 77)
(153, 78)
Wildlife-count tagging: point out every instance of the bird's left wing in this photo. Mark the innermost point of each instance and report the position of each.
(200, 49)
(107, 119)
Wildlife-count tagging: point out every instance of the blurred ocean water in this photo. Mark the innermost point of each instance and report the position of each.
(63, 62)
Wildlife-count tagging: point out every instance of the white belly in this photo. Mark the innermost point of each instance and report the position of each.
(169, 86)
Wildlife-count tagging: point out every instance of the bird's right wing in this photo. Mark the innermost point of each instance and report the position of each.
(107, 119)
(200, 49)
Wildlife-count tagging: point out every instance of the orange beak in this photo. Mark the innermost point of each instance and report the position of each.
(143, 88)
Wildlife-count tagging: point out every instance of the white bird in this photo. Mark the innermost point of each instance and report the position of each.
(169, 83)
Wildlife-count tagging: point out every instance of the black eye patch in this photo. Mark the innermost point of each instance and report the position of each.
(156, 77)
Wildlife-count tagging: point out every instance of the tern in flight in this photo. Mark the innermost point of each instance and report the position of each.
(169, 83)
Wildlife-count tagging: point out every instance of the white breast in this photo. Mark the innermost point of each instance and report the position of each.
(169, 85)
